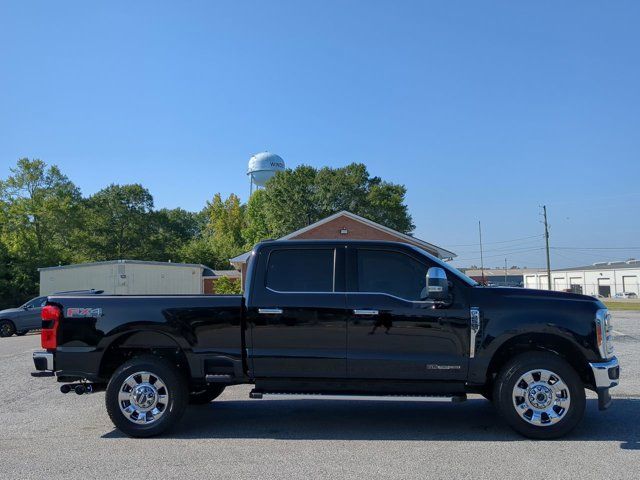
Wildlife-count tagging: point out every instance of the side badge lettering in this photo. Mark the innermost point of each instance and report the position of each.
(83, 312)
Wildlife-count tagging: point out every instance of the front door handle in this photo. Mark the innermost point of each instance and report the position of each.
(365, 312)
(270, 311)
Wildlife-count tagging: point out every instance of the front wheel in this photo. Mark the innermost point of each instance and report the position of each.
(540, 395)
(146, 396)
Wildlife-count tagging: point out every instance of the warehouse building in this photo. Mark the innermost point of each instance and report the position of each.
(499, 277)
(349, 226)
(605, 279)
(132, 277)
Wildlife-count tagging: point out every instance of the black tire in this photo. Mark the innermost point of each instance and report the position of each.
(21, 333)
(503, 394)
(175, 388)
(206, 395)
(7, 328)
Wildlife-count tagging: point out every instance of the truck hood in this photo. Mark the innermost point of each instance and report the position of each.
(540, 294)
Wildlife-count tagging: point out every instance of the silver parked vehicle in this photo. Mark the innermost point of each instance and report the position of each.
(22, 319)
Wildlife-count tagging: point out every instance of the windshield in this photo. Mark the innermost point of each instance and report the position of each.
(34, 302)
(447, 267)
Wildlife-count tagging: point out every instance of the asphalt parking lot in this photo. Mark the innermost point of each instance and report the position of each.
(44, 434)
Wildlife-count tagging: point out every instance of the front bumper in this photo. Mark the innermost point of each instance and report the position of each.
(43, 361)
(605, 376)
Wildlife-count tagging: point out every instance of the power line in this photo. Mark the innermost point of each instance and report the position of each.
(504, 248)
(574, 260)
(539, 249)
(492, 243)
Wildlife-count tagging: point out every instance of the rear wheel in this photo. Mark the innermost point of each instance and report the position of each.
(7, 328)
(146, 396)
(540, 395)
(206, 395)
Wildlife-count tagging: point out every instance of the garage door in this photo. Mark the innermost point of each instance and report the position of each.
(575, 284)
(559, 284)
(630, 284)
(604, 287)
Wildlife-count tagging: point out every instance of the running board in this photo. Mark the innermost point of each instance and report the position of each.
(386, 398)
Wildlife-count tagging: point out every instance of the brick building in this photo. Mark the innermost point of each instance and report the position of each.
(349, 226)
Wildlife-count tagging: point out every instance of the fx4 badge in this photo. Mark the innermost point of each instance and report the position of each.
(84, 312)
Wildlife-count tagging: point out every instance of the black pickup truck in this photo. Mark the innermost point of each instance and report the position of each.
(347, 319)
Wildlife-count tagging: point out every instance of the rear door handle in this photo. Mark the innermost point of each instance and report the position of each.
(270, 311)
(365, 312)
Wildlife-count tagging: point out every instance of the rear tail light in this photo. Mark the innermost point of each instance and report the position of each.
(51, 316)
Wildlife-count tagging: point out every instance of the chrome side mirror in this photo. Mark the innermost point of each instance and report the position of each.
(437, 285)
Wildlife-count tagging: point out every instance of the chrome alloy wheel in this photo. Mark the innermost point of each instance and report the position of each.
(143, 398)
(541, 397)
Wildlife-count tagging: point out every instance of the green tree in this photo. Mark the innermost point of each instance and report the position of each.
(226, 222)
(44, 220)
(342, 189)
(119, 224)
(385, 205)
(7, 288)
(201, 250)
(227, 286)
(221, 238)
(290, 201)
(171, 230)
(295, 198)
(256, 227)
(40, 215)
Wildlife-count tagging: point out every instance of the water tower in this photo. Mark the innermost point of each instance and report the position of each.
(263, 166)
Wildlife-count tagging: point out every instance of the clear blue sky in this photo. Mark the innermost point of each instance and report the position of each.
(484, 110)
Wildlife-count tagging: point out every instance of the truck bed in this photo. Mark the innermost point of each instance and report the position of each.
(204, 327)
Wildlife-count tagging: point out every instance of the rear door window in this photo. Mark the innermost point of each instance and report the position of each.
(301, 270)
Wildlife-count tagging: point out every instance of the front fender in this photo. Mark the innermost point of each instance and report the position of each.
(506, 317)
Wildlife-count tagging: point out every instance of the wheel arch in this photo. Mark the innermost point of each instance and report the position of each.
(541, 342)
(143, 342)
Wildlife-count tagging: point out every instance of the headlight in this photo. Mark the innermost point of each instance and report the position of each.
(603, 333)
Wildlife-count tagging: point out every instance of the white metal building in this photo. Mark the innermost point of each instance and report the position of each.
(126, 277)
(605, 279)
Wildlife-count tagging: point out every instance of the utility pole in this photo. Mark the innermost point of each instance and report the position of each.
(505, 272)
(481, 258)
(546, 239)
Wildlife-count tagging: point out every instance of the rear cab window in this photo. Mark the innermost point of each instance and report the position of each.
(301, 270)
